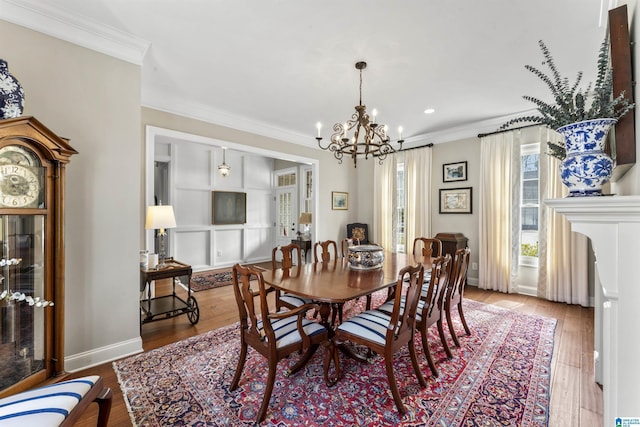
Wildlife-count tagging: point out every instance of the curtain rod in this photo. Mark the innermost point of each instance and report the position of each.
(481, 135)
(411, 148)
(419, 146)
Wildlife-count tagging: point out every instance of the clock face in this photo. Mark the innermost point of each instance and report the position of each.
(19, 186)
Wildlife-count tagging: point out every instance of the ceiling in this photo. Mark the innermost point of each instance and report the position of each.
(277, 67)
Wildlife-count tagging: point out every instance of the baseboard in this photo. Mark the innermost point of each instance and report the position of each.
(526, 290)
(98, 356)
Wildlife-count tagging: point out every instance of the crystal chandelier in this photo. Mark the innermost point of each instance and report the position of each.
(369, 138)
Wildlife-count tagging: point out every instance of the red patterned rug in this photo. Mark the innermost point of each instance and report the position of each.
(211, 279)
(499, 377)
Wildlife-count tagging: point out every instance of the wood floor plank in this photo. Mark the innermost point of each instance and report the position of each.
(575, 399)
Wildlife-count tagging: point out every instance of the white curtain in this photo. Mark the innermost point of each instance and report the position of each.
(495, 214)
(563, 274)
(384, 177)
(417, 172)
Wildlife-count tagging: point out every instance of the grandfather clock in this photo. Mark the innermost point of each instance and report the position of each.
(32, 182)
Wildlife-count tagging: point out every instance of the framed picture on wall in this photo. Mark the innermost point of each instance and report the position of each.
(228, 207)
(339, 200)
(455, 200)
(454, 172)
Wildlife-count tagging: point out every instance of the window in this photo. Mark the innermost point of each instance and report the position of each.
(399, 225)
(529, 204)
(287, 179)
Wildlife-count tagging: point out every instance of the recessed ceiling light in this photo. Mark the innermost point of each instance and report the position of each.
(429, 111)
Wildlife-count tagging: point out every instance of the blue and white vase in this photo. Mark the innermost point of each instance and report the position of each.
(587, 167)
(11, 94)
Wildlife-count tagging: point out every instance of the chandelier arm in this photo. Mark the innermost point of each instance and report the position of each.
(369, 139)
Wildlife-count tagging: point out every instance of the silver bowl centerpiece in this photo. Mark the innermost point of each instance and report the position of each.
(366, 257)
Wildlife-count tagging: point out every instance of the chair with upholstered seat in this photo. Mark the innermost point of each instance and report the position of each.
(456, 291)
(358, 232)
(328, 252)
(384, 333)
(344, 246)
(275, 335)
(427, 247)
(59, 404)
(430, 307)
(289, 253)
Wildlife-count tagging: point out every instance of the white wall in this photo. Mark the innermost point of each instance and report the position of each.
(453, 152)
(94, 100)
(193, 171)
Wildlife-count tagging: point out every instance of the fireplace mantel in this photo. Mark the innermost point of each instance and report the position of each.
(613, 225)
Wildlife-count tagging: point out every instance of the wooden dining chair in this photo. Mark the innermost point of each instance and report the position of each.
(344, 246)
(358, 231)
(430, 307)
(275, 335)
(427, 247)
(385, 333)
(455, 291)
(328, 252)
(289, 253)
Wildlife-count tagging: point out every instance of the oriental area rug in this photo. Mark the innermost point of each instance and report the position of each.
(499, 376)
(210, 279)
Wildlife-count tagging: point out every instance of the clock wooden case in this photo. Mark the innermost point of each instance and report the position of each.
(32, 252)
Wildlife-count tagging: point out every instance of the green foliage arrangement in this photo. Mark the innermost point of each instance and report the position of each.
(572, 103)
(528, 249)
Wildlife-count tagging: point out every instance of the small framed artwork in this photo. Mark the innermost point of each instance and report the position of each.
(455, 200)
(339, 200)
(454, 172)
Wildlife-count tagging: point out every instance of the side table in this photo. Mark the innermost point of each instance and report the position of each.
(163, 307)
(305, 247)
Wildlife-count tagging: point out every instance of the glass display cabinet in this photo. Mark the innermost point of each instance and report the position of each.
(32, 181)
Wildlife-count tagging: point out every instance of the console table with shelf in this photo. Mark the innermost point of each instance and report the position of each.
(305, 247)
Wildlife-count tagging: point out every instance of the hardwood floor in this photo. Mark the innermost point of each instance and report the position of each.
(576, 400)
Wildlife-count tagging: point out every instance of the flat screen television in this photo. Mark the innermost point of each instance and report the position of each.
(228, 207)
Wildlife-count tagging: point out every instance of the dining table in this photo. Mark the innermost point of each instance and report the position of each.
(336, 282)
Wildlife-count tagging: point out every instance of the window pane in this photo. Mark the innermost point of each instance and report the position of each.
(399, 228)
(530, 218)
(530, 192)
(530, 166)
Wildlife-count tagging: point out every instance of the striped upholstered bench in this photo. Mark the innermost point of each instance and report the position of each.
(59, 404)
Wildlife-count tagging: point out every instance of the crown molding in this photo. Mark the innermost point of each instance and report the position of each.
(467, 130)
(185, 108)
(76, 29)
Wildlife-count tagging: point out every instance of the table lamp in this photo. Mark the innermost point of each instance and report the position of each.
(160, 217)
(305, 220)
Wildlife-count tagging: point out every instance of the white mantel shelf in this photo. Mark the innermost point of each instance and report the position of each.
(613, 225)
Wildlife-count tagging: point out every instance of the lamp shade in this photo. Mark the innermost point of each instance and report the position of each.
(159, 217)
(305, 218)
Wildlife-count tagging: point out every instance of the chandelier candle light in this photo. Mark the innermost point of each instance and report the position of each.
(160, 218)
(369, 138)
